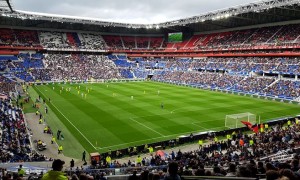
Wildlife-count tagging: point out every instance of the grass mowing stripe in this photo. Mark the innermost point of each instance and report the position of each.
(68, 120)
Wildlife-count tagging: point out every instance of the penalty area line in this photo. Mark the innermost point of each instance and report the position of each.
(200, 126)
(147, 127)
(69, 121)
(144, 140)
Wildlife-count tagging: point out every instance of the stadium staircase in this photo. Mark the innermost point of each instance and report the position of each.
(162, 43)
(192, 41)
(207, 39)
(273, 83)
(253, 34)
(135, 43)
(274, 35)
(133, 74)
(149, 42)
(11, 77)
(296, 39)
(18, 79)
(12, 64)
(277, 65)
(122, 42)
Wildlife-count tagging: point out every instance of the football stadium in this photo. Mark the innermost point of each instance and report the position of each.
(210, 96)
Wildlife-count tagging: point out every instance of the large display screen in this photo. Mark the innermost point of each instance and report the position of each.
(175, 37)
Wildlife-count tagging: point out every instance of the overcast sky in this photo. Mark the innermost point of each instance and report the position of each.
(127, 11)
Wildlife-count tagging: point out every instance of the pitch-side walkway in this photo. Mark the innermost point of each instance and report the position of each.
(51, 151)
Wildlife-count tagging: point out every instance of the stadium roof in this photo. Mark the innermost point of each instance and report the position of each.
(261, 12)
(6, 5)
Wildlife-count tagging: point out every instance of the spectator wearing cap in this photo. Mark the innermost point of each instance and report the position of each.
(56, 173)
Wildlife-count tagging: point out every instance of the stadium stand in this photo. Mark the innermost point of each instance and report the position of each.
(7, 37)
(249, 156)
(78, 67)
(15, 143)
(92, 41)
(27, 37)
(156, 42)
(53, 39)
(113, 42)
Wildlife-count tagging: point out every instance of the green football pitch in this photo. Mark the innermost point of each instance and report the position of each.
(118, 115)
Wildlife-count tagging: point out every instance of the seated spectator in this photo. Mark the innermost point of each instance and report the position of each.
(231, 170)
(272, 175)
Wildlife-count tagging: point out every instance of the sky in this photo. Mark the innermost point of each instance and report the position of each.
(128, 11)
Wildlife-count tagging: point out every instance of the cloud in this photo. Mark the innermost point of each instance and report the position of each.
(128, 11)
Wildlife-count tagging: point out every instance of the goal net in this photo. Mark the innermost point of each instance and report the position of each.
(234, 120)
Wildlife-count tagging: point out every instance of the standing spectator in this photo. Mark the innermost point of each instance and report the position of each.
(260, 168)
(60, 149)
(232, 170)
(172, 172)
(72, 163)
(83, 156)
(58, 134)
(133, 176)
(56, 173)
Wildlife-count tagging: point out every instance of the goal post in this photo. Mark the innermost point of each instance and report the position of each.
(234, 120)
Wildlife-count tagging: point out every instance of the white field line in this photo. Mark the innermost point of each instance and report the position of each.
(147, 127)
(200, 126)
(69, 121)
(169, 113)
(132, 142)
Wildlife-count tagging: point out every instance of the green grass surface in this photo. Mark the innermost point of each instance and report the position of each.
(109, 118)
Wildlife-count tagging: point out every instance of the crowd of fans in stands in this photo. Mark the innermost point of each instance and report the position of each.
(76, 67)
(265, 36)
(240, 155)
(246, 74)
(15, 143)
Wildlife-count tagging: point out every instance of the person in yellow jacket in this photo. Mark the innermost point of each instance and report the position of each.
(21, 171)
(56, 173)
(200, 142)
(145, 148)
(228, 136)
(53, 140)
(150, 149)
(108, 159)
(139, 161)
(46, 129)
(215, 139)
(289, 123)
(266, 126)
(251, 142)
(60, 149)
(261, 128)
